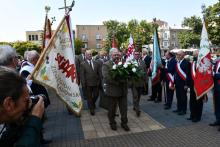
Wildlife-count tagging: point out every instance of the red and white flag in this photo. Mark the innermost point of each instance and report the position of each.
(130, 50)
(203, 79)
(47, 32)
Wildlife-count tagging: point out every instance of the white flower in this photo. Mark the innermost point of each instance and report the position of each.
(136, 64)
(114, 66)
(119, 63)
(134, 69)
(125, 65)
(128, 63)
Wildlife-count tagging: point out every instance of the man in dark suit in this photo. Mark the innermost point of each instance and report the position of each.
(90, 79)
(216, 94)
(116, 91)
(138, 85)
(103, 102)
(147, 60)
(170, 68)
(79, 59)
(181, 76)
(195, 105)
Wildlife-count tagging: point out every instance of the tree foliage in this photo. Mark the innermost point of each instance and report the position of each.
(141, 32)
(190, 38)
(213, 22)
(78, 44)
(22, 46)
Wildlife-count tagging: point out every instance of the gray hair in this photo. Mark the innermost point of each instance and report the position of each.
(31, 55)
(145, 50)
(112, 50)
(7, 53)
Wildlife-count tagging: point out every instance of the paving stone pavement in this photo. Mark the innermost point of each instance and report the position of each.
(68, 130)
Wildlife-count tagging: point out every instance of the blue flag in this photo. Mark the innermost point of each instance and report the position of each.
(156, 59)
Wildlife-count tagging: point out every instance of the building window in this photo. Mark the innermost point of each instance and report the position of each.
(98, 46)
(165, 35)
(174, 36)
(36, 37)
(98, 27)
(32, 37)
(98, 37)
(29, 37)
(84, 37)
(165, 44)
(85, 45)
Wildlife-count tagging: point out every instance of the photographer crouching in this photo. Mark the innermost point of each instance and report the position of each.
(14, 104)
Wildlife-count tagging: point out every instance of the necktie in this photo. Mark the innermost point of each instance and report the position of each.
(90, 63)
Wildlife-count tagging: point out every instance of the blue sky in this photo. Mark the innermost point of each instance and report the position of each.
(18, 16)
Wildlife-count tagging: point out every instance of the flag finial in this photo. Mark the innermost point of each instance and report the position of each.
(68, 8)
(47, 9)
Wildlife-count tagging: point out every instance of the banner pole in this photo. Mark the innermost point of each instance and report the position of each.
(45, 49)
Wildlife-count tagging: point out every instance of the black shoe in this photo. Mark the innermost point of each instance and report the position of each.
(167, 107)
(138, 113)
(181, 113)
(175, 111)
(218, 129)
(92, 112)
(195, 120)
(45, 141)
(157, 101)
(190, 118)
(113, 127)
(215, 124)
(125, 127)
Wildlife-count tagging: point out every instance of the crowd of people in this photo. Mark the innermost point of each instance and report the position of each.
(23, 121)
(174, 76)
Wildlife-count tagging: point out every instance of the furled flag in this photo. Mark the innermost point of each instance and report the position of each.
(202, 76)
(56, 66)
(47, 32)
(130, 49)
(114, 43)
(156, 60)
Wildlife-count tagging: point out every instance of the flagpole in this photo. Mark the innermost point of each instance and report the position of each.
(40, 60)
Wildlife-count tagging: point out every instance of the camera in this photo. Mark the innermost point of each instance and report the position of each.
(35, 99)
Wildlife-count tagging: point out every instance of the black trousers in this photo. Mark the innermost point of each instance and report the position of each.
(122, 104)
(217, 104)
(195, 105)
(181, 98)
(92, 93)
(169, 95)
(157, 91)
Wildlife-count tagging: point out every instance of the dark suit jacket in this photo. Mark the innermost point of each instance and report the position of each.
(185, 66)
(140, 82)
(171, 66)
(147, 61)
(113, 88)
(89, 76)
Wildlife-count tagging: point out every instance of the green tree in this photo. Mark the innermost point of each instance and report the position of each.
(78, 44)
(212, 16)
(188, 39)
(141, 32)
(191, 38)
(22, 46)
(194, 22)
(118, 30)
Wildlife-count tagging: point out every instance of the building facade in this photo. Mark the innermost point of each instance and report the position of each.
(35, 36)
(168, 36)
(92, 36)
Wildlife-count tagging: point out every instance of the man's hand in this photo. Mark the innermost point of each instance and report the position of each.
(38, 109)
